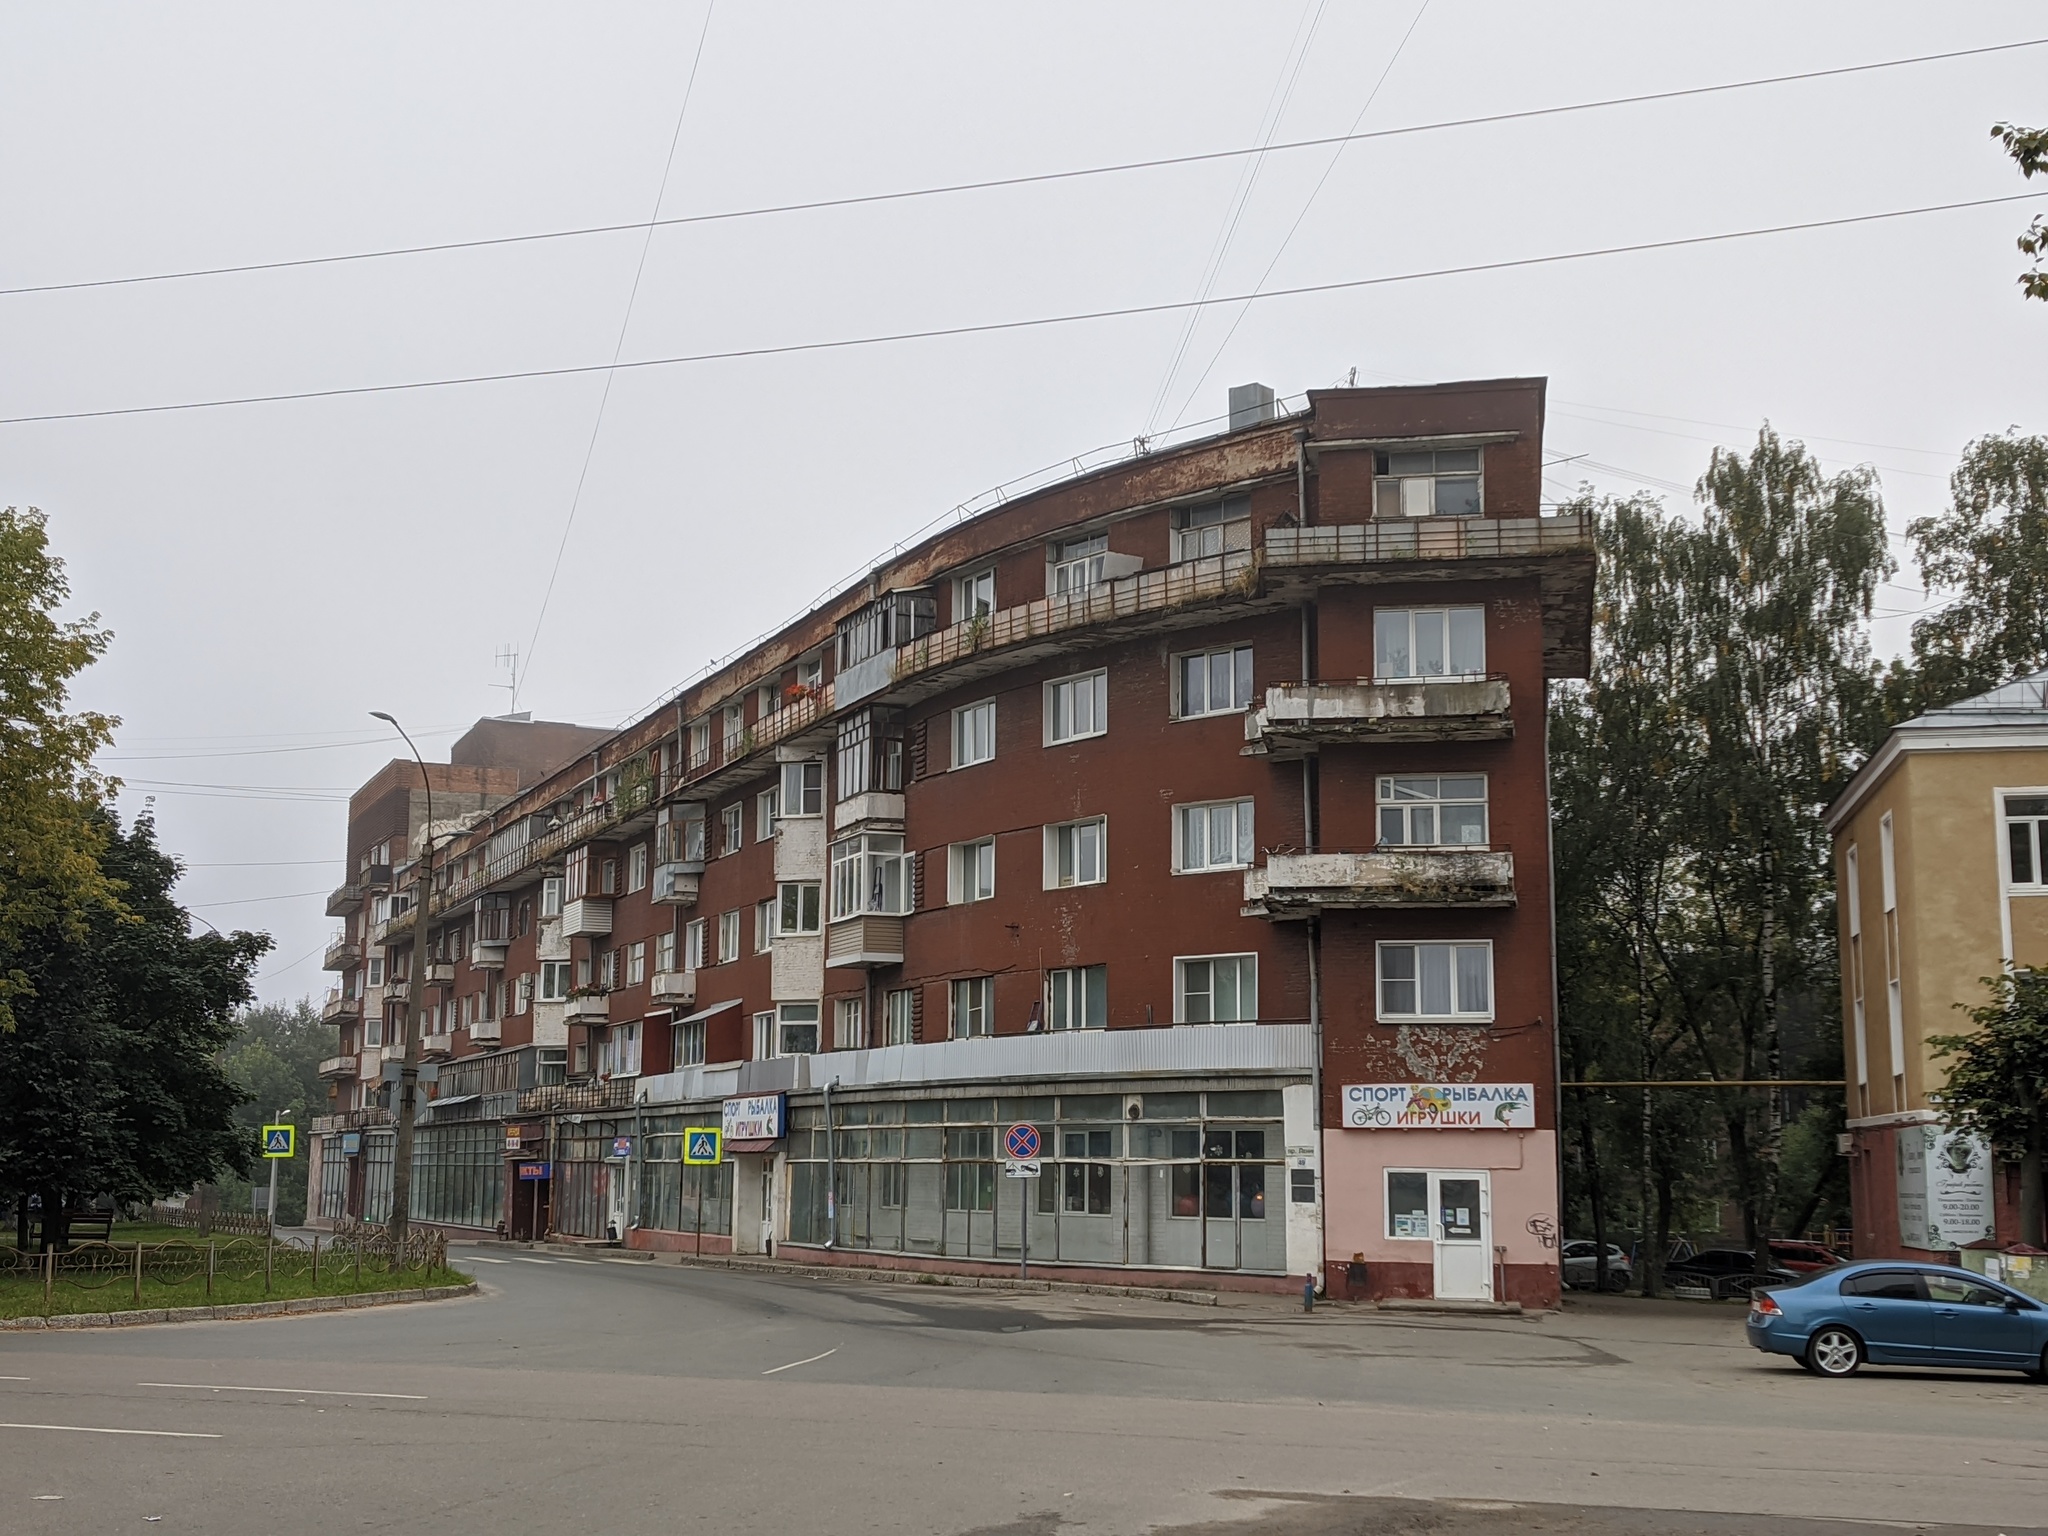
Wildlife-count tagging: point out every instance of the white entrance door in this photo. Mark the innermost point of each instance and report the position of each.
(1461, 1224)
(619, 1179)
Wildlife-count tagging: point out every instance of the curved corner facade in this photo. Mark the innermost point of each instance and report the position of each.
(1192, 811)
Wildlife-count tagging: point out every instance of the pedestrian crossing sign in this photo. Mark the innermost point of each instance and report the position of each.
(703, 1144)
(278, 1140)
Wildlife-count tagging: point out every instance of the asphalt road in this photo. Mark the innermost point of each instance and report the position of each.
(628, 1397)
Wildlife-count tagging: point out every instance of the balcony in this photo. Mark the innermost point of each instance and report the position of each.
(1299, 719)
(341, 1010)
(391, 927)
(343, 954)
(1293, 885)
(587, 917)
(571, 1097)
(438, 1047)
(375, 877)
(488, 954)
(486, 1032)
(591, 1008)
(344, 900)
(676, 883)
(339, 1066)
(674, 987)
(864, 942)
(439, 973)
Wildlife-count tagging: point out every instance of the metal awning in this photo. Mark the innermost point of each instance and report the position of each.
(705, 1013)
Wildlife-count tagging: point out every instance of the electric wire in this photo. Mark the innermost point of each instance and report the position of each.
(996, 327)
(1030, 179)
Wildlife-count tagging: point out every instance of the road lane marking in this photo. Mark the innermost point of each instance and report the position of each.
(477, 1258)
(795, 1363)
(17, 1378)
(532, 1261)
(207, 1386)
(90, 1429)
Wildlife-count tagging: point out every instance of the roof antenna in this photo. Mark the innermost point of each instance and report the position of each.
(508, 658)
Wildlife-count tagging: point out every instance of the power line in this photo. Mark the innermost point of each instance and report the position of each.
(1032, 179)
(618, 347)
(994, 327)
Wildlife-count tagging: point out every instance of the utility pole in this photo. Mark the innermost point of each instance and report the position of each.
(415, 1004)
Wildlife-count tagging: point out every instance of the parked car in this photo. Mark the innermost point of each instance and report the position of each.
(1884, 1312)
(1582, 1266)
(1803, 1257)
(1725, 1272)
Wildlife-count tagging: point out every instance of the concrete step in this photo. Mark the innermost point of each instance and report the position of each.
(1452, 1308)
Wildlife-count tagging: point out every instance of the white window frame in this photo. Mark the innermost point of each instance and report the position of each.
(1404, 810)
(1066, 843)
(2037, 841)
(1407, 489)
(801, 791)
(522, 995)
(1061, 712)
(1075, 567)
(1852, 892)
(764, 926)
(551, 896)
(696, 943)
(1244, 849)
(1183, 1005)
(554, 981)
(971, 1008)
(974, 594)
(974, 734)
(1068, 1003)
(636, 868)
(665, 951)
(700, 742)
(1203, 532)
(375, 974)
(692, 1043)
(798, 1016)
(1422, 952)
(765, 810)
(870, 876)
(1452, 616)
(764, 1035)
(899, 1016)
(1240, 668)
(849, 1024)
(636, 963)
(799, 908)
(970, 871)
(729, 936)
(1894, 959)
(733, 730)
(732, 829)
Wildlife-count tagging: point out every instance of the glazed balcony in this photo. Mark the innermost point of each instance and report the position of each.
(587, 917)
(674, 987)
(343, 954)
(491, 934)
(864, 942)
(1296, 885)
(1300, 719)
(340, 1009)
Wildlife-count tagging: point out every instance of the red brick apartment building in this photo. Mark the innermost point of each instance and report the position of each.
(1192, 810)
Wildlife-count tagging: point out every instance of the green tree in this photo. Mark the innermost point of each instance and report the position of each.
(111, 1081)
(276, 1058)
(1998, 1081)
(2029, 150)
(1989, 551)
(49, 838)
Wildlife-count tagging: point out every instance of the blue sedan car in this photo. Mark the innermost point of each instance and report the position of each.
(1890, 1313)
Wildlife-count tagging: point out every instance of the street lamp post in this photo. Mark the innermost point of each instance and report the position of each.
(415, 1005)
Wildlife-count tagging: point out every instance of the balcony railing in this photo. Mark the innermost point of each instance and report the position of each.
(673, 987)
(437, 1047)
(344, 899)
(343, 954)
(591, 1008)
(573, 1098)
(1300, 884)
(339, 1066)
(865, 941)
(339, 1009)
(1297, 719)
(1430, 538)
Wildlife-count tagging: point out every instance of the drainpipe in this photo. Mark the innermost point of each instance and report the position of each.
(1315, 1069)
(831, 1171)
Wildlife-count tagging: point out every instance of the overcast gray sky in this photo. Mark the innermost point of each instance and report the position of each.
(274, 571)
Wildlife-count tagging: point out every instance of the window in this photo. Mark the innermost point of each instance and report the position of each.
(870, 753)
(1895, 997)
(694, 934)
(376, 976)
(870, 874)
(1440, 484)
(665, 951)
(971, 1186)
(797, 1029)
(1407, 1204)
(974, 734)
(764, 926)
(636, 868)
(1077, 998)
(1889, 1284)
(1076, 853)
(891, 1183)
(974, 1007)
(522, 996)
(803, 788)
(810, 672)
(894, 619)
(1076, 707)
(796, 909)
(2026, 839)
(1085, 1187)
(551, 896)
(728, 937)
(1853, 891)
(1076, 565)
(1213, 682)
(1441, 812)
(899, 1023)
(1212, 528)
(731, 829)
(1216, 989)
(619, 1055)
(848, 1025)
(608, 878)
(764, 1036)
(636, 964)
(373, 1029)
(735, 730)
(554, 981)
(1428, 642)
(608, 970)
(971, 871)
(700, 743)
(690, 1043)
(1213, 836)
(767, 700)
(1450, 982)
(764, 814)
(974, 596)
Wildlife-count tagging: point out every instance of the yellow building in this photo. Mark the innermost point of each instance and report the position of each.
(1941, 871)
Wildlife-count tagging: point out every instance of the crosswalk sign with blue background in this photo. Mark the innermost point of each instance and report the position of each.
(703, 1144)
(278, 1140)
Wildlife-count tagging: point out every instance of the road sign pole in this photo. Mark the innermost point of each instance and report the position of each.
(1024, 1216)
(271, 1210)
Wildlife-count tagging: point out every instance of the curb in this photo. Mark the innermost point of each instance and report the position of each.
(960, 1282)
(142, 1316)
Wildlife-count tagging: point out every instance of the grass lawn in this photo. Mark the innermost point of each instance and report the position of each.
(91, 1278)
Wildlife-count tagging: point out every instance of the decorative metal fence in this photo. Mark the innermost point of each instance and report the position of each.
(182, 1272)
(242, 1223)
